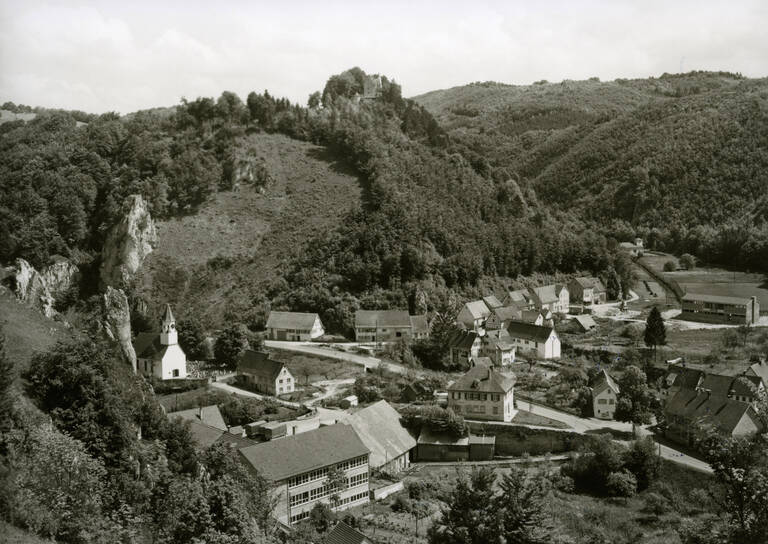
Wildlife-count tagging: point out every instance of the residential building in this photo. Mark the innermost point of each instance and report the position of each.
(520, 299)
(587, 290)
(473, 315)
(686, 411)
(344, 534)
(463, 346)
(382, 325)
(297, 469)
(605, 393)
(718, 309)
(679, 378)
(759, 369)
(483, 392)
(535, 339)
(210, 415)
(434, 446)
(294, 326)
(158, 354)
(420, 327)
(498, 347)
(745, 388)
(492, 302)
(554, 298)
(542, 318)
(266, 375)
(378, 426)
(501, 316)
(207, 427)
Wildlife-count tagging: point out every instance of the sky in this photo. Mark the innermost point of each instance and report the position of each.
(129, 55)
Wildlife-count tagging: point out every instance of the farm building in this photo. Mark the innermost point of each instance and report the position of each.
(719, 309)
(158, 354)
(297, 469)
(585, 322)
(543, 341)
(385, 325)
(473, 315)
(378, 426)
(294, 326)
(587, 290)
(266, 375)
(432, 446)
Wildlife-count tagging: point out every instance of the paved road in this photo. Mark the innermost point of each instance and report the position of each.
(313, 349)
(583, 425)
(232, 390)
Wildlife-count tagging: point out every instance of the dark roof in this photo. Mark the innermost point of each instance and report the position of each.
(746, 386)
(428, 436)
(419, 324)
(485, 379)
(686, 378)
(147, 345)
(462, 339)
(701, 297)
(604, 381)
(520, 295)
(168, 315)
(529, 331)
(585, 321)
(378, 426)
(344, 534)
(382, 318)
(291, 320)
(210, 415)
(204, 435)
(280, 459)
(258, 363)
(499, 339)
(506, 313)
(723, 413)
(718, 385)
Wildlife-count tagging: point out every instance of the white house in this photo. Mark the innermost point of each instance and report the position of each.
(605, 393)
(543, 341)
(483, 393)
(473, 315)
(294, 326)
(264, 374)
(159, 355)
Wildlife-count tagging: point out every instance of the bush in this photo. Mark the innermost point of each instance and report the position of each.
(621, 484)
(656, 504)
(687, 261)
(401, 504)
(670, 266)
(563, 483)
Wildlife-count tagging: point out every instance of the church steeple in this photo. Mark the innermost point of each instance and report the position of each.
(168, 334)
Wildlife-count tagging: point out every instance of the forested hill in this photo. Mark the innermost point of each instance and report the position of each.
(681, 159)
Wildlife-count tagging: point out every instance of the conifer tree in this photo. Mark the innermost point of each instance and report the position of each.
(655, 330)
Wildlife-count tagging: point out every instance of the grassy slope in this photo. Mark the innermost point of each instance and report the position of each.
(252, 232)
(13, 535)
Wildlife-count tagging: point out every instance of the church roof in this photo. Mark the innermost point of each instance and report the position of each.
(168, 315)
(147, 345)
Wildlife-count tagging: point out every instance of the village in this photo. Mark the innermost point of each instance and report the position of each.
(527, 385)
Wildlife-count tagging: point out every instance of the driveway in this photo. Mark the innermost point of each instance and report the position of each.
(331, 387)
(232, 390)
(313, 349)
(583, 425)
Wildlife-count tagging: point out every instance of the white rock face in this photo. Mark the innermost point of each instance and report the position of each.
(117, 323)
(128, 244)
(40, 289)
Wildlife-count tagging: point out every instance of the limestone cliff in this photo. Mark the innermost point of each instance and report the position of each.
(128, 244)
(41, 289)
(117, 323)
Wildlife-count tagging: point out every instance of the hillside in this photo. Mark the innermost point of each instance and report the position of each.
(210, 261)
(663, 156)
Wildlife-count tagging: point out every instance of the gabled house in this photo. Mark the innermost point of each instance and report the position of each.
(498, 347)
(463, 346)
(687, 410)
(554, 298)
(587, 290)
(344, 534)
(379, 428)
(542, 341)
(492, 302)
(294, 326)
(296, 468)
(382, 325)
(679, 378)
(483, 393)
(158, 354)
(585, 322)
(264, 374)
(520, 299)
(501, 316)
(420, 327)
(605, 393)
(473, 315)
(542, 318)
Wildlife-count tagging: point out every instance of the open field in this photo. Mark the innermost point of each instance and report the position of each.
(314, 368)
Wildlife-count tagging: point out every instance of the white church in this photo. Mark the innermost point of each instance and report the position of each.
(159, 355)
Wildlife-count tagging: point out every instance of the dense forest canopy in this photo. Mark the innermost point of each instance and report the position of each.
(512, 182)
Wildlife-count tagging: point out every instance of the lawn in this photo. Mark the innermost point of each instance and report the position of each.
(313, 368)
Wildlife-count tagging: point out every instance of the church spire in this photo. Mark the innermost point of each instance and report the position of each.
(168, 334)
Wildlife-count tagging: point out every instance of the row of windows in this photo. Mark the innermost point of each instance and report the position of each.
(321, 473)
(603, 401)
(456, 395)
(477, 409)
(353, 498)
(358, 479)
(324, 491)
(300, 516)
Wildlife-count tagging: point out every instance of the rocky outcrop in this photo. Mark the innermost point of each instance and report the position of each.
(117, 323)
(128, 244)
(40, 290)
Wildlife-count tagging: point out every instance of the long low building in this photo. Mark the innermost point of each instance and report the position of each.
(389, 326)
(687, 410)
(294, 326)
(297, 468)
(719, 309)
